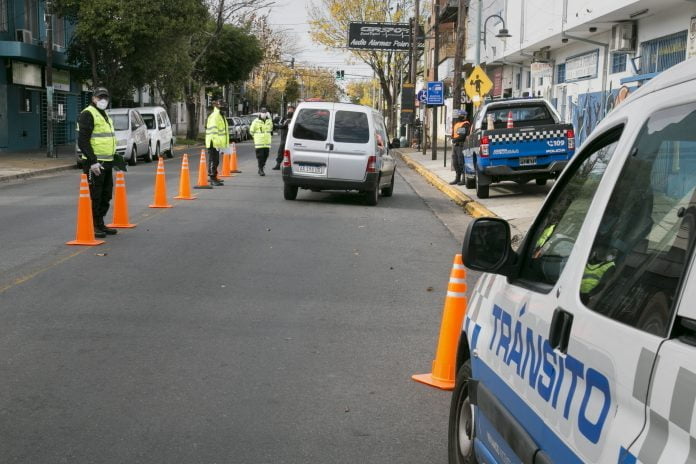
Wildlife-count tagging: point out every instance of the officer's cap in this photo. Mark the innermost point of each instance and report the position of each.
(100, 92)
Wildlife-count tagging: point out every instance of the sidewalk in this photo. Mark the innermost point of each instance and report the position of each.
(517, 204)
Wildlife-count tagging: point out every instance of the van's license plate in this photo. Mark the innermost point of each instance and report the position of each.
(528, 161)
(311, 169)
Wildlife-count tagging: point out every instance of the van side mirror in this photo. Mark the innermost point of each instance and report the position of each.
(487, 246)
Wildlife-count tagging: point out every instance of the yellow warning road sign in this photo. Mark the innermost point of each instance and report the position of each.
(477, 85)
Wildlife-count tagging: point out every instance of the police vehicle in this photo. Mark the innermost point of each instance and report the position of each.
(580, 346)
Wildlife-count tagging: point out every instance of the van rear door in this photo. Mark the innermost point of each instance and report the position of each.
(309, 143)
(351, 145)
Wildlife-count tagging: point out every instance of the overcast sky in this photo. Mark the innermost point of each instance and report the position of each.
(291, 16)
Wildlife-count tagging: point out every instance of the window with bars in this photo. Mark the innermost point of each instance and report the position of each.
(560, 73)
(3, 16)
(662, 53)
(618, 62)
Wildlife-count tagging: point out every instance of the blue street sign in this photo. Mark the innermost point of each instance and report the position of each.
(436, 94)
(422, 95)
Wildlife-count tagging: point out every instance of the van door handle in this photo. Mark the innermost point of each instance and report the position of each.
(329, 146)
(559, 334)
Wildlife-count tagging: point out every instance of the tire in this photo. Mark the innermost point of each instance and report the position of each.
(170, 152)
(481, 190)
(389, 191)
(469, 182)
(372, 196)
(460, 442)
(541, 181)
(289, 191)
(157, 152)
(134, 157)
(148, 156)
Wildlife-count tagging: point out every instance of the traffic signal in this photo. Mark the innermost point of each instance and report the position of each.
(292, 62)
(340, 75)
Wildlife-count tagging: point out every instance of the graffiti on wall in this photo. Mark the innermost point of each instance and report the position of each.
(590, 108)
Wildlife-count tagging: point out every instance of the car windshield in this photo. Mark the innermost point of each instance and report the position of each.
(149, 120)
(120, 121)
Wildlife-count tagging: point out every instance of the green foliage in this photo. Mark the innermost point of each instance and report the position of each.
(292, 90)
(232, 56)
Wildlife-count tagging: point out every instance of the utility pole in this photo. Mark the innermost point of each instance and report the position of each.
(413, 72)
(48, 17)
(479, 17)
(458, 52)
(436, 62)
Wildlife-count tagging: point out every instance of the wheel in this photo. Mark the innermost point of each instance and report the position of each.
(372, 196)
(134, 157)
(469, 182)
(389, 191)
(481, 190)
(289, 191)
(541, 181)
(170, 152)
(460, 442)
(148, 155)
(157, 152)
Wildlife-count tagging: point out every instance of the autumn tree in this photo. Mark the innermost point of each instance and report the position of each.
(360, 92)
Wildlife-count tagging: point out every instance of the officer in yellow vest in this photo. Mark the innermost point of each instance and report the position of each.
(261, 129)
(217, 137)
(97, 141)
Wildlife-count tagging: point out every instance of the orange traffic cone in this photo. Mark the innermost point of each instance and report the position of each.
(233, 160)
(510, 125)
(85, 224)
(160, 200)
(443, 374)
(226, 165)
(202, 174)
(184, 181)
(121, 204)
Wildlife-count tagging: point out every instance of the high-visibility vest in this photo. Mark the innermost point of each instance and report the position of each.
(593, 275)
(456, 127)
(103, 138)
(261, 130)
(216, 131)
(545, 235)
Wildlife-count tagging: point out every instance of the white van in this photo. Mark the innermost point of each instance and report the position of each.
(338, 146)
(580, 346)
(160, 129)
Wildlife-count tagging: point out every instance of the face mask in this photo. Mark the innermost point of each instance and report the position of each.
(262, 116)
(102, 104)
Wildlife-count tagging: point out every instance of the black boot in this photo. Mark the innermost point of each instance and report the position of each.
(261, 173)
(276, 167)
(216, 182)
(98, 233)
(457, 180)
(106, 230)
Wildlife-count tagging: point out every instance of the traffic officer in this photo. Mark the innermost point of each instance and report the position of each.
(460, 130)
(283, 136)
(97, 142)
(261, 129)
(217, 137)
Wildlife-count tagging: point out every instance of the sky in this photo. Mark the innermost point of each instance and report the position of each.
(291, 16)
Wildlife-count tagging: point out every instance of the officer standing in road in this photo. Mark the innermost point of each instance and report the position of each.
(261, 129)
(217, 137)
(460, 130)
(283, 136)
(97, 141)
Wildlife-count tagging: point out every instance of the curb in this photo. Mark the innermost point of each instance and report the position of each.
(471, 207)
(35, 173)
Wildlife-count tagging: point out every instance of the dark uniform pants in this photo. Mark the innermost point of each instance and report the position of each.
(457, 160)
(262, 156)
(281, 152)
(213, 162)
(101, 189)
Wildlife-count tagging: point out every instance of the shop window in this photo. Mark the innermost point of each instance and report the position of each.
(618, 63)
(560, 73)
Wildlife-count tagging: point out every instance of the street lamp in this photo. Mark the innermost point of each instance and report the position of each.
(503, 33)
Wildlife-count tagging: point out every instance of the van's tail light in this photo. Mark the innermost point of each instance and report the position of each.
(372, 164)
(570, 135)
(287, 162)
(485, 141)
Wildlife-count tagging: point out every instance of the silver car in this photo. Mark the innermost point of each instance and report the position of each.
(132, 138)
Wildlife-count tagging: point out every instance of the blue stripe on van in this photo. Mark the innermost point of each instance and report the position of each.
(548, 441)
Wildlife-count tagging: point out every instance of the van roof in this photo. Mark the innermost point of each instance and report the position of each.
(148, 109)
(335, 105)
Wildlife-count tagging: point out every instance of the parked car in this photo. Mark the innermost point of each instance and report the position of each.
(132, 138)
(236, 129)
(338, 146)
(159, 129)
(580, 346)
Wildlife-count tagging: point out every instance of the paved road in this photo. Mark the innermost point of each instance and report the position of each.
(236, 328)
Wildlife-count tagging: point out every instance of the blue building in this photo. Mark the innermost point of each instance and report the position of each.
(23, 84)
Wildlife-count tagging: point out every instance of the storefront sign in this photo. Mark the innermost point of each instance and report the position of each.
(497, 82)
(61, 80)
(381, 36)
(582, 66)
(542, 70)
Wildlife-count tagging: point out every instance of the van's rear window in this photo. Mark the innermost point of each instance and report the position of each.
(351, 127)
(311, 124)
(532, 115)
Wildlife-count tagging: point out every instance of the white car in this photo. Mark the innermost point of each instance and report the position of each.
(159, 129)
(132, 138)
(338, 146)
(580, 346)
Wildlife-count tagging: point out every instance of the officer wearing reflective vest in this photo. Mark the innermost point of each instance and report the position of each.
(217, 137)
(261, 129)
(460, 130)
(97, 142)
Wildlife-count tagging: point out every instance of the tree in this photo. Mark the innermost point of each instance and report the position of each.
(360, 92)
(235, 54)
(329, 24)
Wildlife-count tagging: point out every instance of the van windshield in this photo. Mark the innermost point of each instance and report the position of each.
(351, 127)
(120, 121)
(312, 124)
(149, 120)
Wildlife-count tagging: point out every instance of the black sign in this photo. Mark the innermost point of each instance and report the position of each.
(381, 36)
(408, 103)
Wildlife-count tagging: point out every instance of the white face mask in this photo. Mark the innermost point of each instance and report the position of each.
(102, 104)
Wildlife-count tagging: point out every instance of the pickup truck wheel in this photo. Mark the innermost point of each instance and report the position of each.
(481, 190)
(460, 443)
(541, 181)
(469, 182)
(289, 191)
(389, 191)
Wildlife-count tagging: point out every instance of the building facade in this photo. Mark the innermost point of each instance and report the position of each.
(23, 97)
